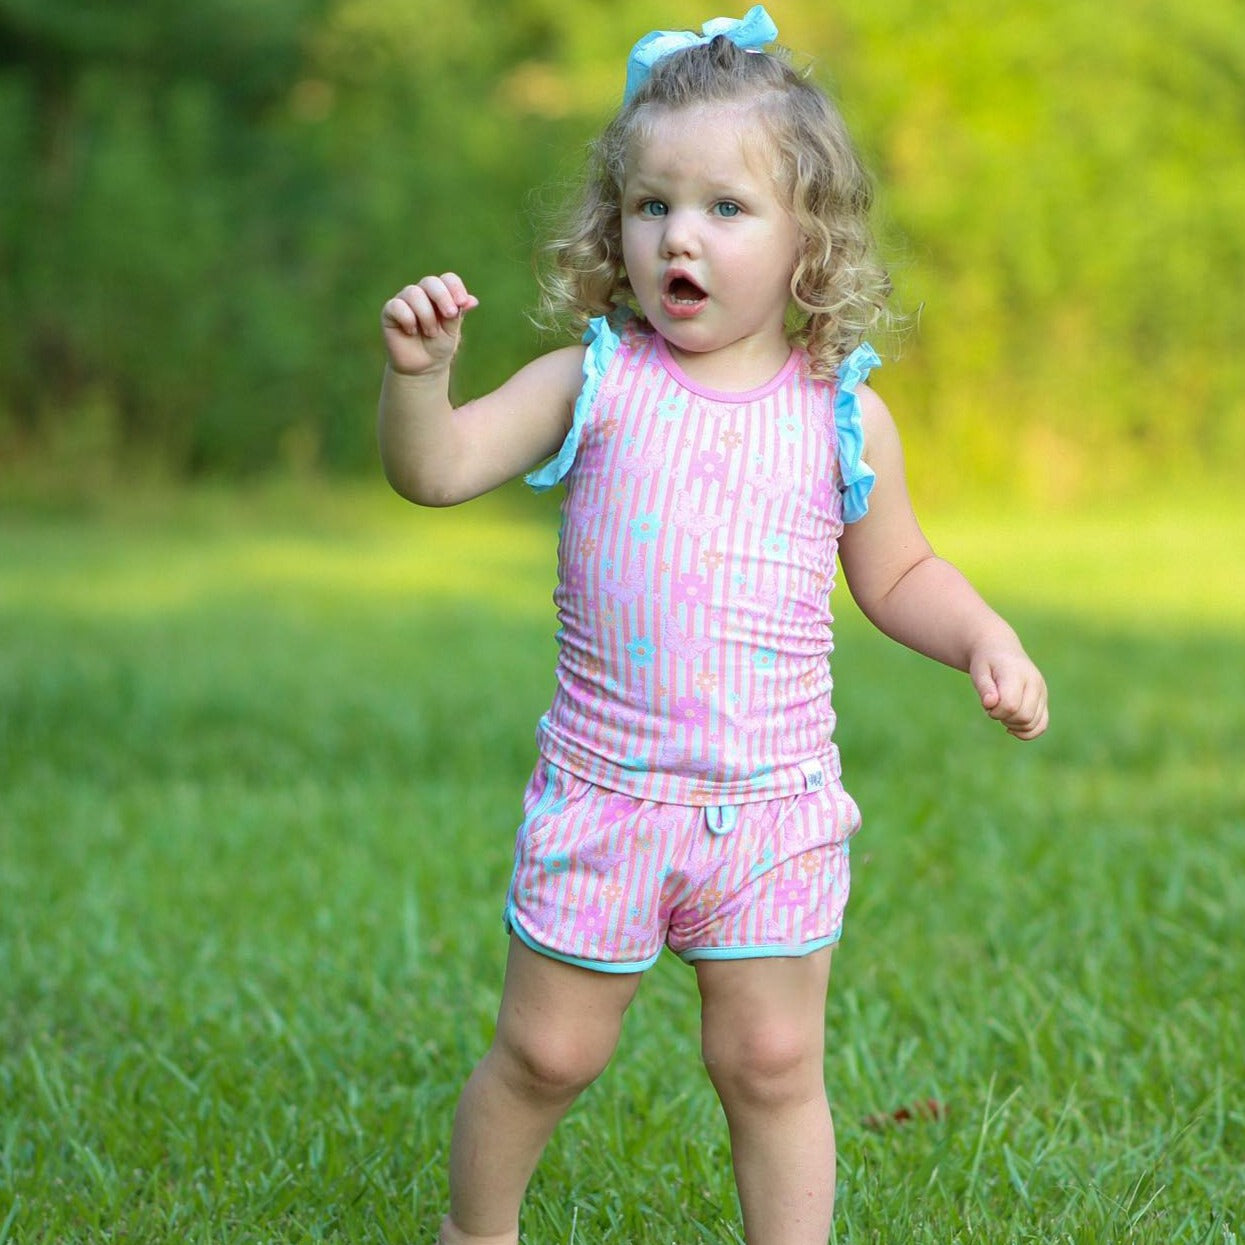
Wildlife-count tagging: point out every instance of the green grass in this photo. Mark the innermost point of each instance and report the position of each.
(260, 759)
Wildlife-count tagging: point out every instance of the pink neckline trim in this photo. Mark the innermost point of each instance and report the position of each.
(721, 395)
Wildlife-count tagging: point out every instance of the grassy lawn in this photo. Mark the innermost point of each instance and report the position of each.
(260, 760)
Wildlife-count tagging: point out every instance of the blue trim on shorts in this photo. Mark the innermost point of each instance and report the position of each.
(598, 966)
(794, 951)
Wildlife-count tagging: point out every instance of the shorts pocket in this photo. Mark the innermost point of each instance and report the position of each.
(550, 793)
(819, 819)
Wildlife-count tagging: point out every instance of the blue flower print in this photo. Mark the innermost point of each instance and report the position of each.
(764, 659)
(671, 408)
(644, 527)
(642, 651)
(775, 545)
(789, 427)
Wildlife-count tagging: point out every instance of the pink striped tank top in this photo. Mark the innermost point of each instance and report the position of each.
(696, 559)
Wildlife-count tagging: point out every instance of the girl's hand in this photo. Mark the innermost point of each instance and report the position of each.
(1012, 691)
(422, 324)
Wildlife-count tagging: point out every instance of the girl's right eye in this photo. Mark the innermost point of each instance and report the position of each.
(652, 208)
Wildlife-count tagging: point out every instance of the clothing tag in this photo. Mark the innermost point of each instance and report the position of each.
(814, 775)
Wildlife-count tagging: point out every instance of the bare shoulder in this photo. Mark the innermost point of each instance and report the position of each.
(566, 361)
(881, 434)
(880, 546)
(560, 373)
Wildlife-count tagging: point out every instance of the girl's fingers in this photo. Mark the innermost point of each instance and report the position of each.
(426, 308)
(464, 300)
(399, 314)
(447, 295)
(421, 322)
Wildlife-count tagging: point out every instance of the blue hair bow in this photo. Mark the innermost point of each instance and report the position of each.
(752, 31)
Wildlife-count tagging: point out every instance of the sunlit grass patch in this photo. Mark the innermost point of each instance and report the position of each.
(260, 761)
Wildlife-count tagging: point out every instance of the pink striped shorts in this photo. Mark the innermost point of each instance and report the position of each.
(604, 880)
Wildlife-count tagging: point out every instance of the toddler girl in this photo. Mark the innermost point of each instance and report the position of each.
(719, 447)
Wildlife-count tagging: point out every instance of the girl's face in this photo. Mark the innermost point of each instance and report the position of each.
(709, 244)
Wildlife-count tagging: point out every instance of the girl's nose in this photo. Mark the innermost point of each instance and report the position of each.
(679, 236)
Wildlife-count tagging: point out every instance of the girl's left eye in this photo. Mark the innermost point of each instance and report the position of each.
(727, 208)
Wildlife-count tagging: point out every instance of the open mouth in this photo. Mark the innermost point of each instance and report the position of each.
(684, 290)
(682, 298)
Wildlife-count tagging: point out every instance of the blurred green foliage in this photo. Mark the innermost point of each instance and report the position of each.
(203, 206)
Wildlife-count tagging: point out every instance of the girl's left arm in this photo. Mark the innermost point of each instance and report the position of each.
(924, 602)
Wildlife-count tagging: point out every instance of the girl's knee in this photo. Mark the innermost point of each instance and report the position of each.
(766, 1063)
(558, 1024)
(546, 1062)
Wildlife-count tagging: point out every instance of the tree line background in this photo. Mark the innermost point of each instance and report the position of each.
(203, 206)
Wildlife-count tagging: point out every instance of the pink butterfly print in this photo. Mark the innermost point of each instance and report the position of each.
(600, 858)
(797, 835)
(665, 824)
(814, 550)
(588, 511)
(642, 463)
(637, 934)
(701, 872)
(627, 587)
(753, 719)
(609, 390)
(764, 598)
(683, 643)
(774, 486)
(672, 756)
(688, 517)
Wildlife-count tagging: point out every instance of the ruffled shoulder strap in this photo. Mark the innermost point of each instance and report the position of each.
(857, 475)
(602, 341)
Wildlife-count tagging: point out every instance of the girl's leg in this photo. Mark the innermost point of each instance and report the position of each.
(556, 1030)
(763, 1039)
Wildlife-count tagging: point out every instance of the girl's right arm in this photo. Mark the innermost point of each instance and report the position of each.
(921, 600)
(436, 455)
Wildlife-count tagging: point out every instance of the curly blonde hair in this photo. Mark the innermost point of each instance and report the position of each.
(839, 288)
